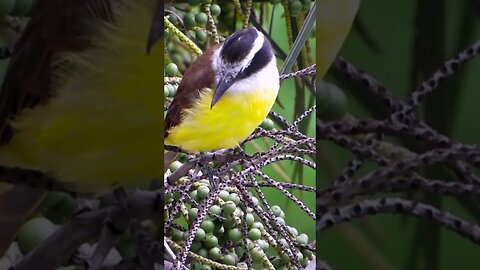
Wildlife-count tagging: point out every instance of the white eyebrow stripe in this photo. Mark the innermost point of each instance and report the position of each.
(257, 45)
(218, 65)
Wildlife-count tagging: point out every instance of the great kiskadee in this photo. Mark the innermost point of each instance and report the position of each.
(81, 101)
(224, 95)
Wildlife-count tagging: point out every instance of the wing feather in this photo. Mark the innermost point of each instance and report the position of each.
(196, 78)
(56, 27)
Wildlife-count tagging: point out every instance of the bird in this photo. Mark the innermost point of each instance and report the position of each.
(223, 95)
(82, 101)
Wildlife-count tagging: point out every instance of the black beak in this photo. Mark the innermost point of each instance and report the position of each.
(223, 84)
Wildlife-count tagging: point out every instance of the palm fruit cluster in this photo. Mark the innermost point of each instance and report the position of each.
(229, 225)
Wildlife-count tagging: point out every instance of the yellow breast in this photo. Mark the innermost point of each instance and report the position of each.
(103, 126)
(232, 119)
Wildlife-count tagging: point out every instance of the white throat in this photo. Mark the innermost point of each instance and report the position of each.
(266, 78)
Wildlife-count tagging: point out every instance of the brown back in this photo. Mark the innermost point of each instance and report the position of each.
(197, 77)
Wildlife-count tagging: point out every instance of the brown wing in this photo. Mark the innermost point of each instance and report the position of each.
(56, 26)
(197, 77)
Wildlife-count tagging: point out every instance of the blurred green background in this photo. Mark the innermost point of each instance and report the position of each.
(401, 42)
(294, 216)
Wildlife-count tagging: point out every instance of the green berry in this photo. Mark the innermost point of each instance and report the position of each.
(173, 19)
(228, 208)
(299, 256)
(285, 258)
(200, 235)
(201, 35)
(254, 234)
(194, 195)
(171, 69)
(177, 58)
(205, 182)
(280, 220)
(34, 232)
(295, 8)
(203, 192)
(263, 244)
(229, 259)
(307, 253)
(250, 219)
(267, 124)
(207, 226)
(302, 239)
(211, 241)
(169, 90)
(293, 231)
(166, 91)
(215, 253)
(238, 212)
(229, 223)
(276, 210)
(215, 209)
(215, 10)
(192, 213)
(257, 225)
(201, 18)
(257, 254)
(183, 158)
(189, 20)
(168, 197)
(277, 263)
(304, 262)
(62, 211)
(223, 194)
(175, 165)
(255, 200)
(233, 197)
(234, 234)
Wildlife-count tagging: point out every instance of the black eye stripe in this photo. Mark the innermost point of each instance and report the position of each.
(259, 61)
(238, 45)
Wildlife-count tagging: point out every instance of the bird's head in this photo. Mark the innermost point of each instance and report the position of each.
(239, 61)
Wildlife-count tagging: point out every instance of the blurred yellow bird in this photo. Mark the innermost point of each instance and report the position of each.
(81, 101)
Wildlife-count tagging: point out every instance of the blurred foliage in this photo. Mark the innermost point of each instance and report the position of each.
(401, 43)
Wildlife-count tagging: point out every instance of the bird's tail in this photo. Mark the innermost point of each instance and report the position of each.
(16, 205)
